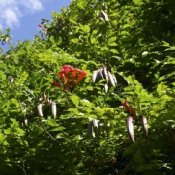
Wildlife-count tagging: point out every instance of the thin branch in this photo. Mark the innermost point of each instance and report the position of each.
(50, 136)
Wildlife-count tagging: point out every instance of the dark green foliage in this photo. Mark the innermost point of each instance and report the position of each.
(137, 46)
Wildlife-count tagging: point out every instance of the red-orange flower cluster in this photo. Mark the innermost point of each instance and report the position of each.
(128, 108)
(69, 77)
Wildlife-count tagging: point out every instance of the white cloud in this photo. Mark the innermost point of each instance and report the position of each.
(13, 10)
(11, 16)
(34, 5)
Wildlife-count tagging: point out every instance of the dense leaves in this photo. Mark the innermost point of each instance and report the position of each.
(87, 134)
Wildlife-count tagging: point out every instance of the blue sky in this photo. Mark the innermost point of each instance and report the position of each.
(23, 16)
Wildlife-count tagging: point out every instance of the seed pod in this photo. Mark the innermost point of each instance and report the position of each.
(40, 110)
(45, 97)
(26, 121)
(108, 126)
(95, 123)
(94, 76)
(11, 79)
(111, 79)
(95, 126)
(49, 101)
(104, 16)
(130, 127)
(101, 128)
(106, 88)
(105, 73)
(144, 125)
(54, 109)
(144, 54)
(100, 73)
(91, 129)
(115, 80)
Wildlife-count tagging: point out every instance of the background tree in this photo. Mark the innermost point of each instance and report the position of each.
(134, 40)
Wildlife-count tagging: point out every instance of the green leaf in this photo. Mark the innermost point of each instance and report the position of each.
(57, 129)
(170, 48)
(2, 137)
(75, 100)
(161, 89)
(2, 76)
(114, 51)
(112, 39)
(85, 28)
(51, 122)
(94, 41)
(75, 40)
(87, 103)
(112, 44)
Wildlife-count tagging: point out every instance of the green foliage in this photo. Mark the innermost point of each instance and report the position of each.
(137, 45)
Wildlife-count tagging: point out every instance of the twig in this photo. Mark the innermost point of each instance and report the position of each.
(23, 167)
(50, 136)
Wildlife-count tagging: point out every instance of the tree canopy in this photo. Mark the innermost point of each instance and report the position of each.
(61, 113)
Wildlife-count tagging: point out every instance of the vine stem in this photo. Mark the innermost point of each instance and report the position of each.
(50, 136)
(22, 167)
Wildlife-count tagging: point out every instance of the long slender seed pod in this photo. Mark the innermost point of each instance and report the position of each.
(91, 132)
(45, 97)
(115, 80)
(105, 73)
(11, 80)
(49, 101)
(104, 16)
(95, 123)
(144, 125)
(106, 88)
(40, 109)
(130, 127)
(101, 128)
(101, 73)
(54, 109)
(111, 79)
(108, 126)
(94, 76)
(26, 121)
